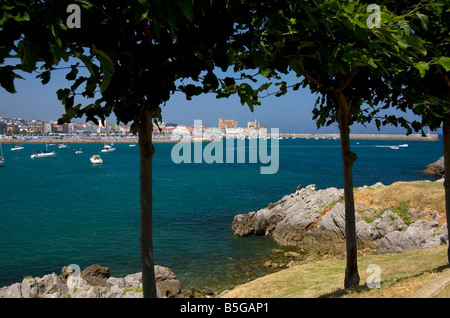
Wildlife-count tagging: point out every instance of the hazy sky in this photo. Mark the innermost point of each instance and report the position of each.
(289, 113)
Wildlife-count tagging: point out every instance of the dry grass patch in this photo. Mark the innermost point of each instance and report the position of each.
(424, 196)
(402, 274)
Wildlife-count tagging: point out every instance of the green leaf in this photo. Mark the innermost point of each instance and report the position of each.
(444, 61)
(187, 7)
(7, 77)
(107, 67)
(28, 53)
(265, 72)
(422, 67)
(423, 20)
(350, 8)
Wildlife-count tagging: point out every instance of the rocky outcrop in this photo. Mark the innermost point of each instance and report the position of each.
(315, 219)
(92, 283)
(421, 234)
(436, 168)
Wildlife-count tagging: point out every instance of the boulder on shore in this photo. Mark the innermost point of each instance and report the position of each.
(436, 168)
(92, 283)
(315, 219)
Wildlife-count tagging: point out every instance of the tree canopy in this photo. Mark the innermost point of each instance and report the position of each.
(134, 51)
(346, 52)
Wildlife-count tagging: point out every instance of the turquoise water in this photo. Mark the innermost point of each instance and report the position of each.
(61, 211)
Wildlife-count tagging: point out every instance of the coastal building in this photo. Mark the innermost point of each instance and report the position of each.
(253, 124)
(212, 133)
(181, 131)
(227, 123)
(36, 126)
(46, 127)
(236, 132)
(12, 129)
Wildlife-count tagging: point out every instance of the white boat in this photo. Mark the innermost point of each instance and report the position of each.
(62, 146)
(132, 145)
(394, 147)
(95, 159)
(16, 148)
(77, 152)
(107, 148)
(403, 146)
(43, 154)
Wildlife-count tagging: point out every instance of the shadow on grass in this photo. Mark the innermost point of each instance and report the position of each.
(388, 283)
(342, 291)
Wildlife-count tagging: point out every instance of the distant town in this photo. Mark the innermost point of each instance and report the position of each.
(18, 128)
(15, 129)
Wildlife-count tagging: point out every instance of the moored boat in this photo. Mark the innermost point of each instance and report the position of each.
(108, 148)
(96, 159)
(43, 154)
(16, 147)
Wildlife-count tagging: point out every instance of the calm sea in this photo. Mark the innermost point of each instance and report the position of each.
(61, 211)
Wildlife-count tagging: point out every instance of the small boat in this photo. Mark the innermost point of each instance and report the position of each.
(62, 146)
(95, 159)
(16, 148)
(132, 145)
(403, 145)
(394, 147)
(43, 154)
(107, 148)
(77, 152)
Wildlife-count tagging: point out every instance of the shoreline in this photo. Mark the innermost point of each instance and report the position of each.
(390, 137)
(282, 257)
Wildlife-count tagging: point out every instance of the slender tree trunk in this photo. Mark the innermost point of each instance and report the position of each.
(348, 158)
(146, 151)
(446, 142)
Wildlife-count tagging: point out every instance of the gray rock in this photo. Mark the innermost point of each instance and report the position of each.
(377, 185)
(287, 220)
(51, 285)
(12, 291)
(29, 288)
(418, 235)
(75, 286)
(389, 222)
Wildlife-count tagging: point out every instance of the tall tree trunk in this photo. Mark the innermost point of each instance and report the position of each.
(446, 142)
(146, 151)
(348, 158)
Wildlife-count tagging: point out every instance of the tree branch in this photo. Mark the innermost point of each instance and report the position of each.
(446, 79)
(313, 80)
(347, 82)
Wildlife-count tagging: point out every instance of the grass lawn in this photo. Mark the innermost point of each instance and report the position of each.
(401, 275)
